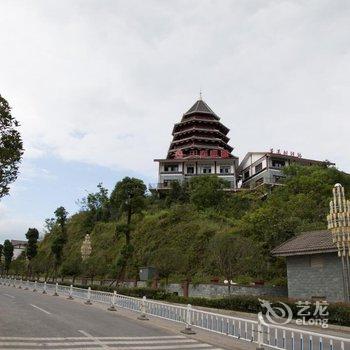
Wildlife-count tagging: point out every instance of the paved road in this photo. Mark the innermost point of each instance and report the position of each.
(34, 321)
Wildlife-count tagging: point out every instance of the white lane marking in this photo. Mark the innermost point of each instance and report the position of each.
(100, 338)
(145, 337)
(138, 342)
(90, 341)
(164, 347)
(41, 338)
(84, 348)
(39, 308)
(8, 295)
(47, 344)
(98, 342)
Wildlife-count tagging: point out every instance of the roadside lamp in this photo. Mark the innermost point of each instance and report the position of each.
(339, 225)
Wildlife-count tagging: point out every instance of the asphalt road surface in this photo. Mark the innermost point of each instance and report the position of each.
(35, 321)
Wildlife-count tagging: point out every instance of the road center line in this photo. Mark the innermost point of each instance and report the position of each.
(39, 308)
(8, 295)
(103, 346)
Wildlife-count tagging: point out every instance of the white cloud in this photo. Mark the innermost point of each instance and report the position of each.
(13, 227)
(103, 82)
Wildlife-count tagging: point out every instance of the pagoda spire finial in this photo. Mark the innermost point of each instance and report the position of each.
(200, 94)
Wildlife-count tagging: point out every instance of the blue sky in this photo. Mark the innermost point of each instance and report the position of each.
(49, 182)
(98, 84)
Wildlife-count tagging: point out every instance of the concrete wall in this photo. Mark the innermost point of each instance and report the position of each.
(318, 275)
(220, 290)
(204, 290)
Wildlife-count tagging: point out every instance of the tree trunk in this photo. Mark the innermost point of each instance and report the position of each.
(127, 231)
(185, 287)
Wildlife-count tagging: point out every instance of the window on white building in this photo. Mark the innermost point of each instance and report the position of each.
(258, 168)
(206, 169)
(190, 169)
(225, 169)
(278, 163)
(170, 168)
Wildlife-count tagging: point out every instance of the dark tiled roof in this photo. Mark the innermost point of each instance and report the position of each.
(306, 243)
(18, 242)
(201, 107)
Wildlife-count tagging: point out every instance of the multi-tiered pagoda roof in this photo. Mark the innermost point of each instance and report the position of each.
(200, 134)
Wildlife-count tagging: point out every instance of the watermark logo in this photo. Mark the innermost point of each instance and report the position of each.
(281, 314)
(308, 313)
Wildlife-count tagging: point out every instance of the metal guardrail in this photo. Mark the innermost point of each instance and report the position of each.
(264, 334)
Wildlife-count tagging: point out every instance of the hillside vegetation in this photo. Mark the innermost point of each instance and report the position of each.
(195, 233)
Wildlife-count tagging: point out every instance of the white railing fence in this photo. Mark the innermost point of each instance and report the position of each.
(258, 331)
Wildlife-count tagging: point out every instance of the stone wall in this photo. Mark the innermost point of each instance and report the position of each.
(315, 276)
(216, 290)
(221, 290)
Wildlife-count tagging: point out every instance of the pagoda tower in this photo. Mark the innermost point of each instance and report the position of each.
(199, 146)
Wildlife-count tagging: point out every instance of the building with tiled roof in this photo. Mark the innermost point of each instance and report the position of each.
(199, 147)
(314, 270)
(18, 247)
(313, 242)
(266, 168)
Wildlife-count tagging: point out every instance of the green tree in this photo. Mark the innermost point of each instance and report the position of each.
(49, 224)
(232, 255)
(97, 206)
(8, 254)
(11, 147)
(71, 267)
(61, 219)
(167, 261)
(207, 191)
(32, 236)
(60, 238)
(128, 198)
(1, 251)
(178, 192)
(57, 251)
(19, 266)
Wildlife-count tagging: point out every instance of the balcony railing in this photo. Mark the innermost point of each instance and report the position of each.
(167, 186)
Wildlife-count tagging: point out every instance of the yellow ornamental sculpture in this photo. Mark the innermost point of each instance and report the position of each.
(86, 247)
(339, 225)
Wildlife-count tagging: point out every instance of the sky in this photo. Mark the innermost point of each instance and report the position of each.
(97, 86)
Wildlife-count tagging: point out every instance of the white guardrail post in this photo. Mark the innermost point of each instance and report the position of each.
(88, 301)
(112, 306)
(188, 329)
(143, 316)
(260, 337)
(45, 288)
(56, 290)
(70, 293)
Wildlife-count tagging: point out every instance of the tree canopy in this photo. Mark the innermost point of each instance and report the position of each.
(11, 147)
(197, 231)
(8, 254)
